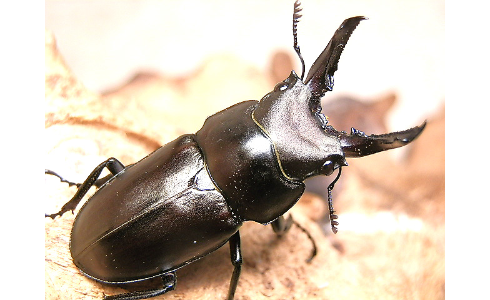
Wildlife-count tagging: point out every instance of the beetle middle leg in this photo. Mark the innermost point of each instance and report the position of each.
(112, 164)
(169, 282)
(236, 260)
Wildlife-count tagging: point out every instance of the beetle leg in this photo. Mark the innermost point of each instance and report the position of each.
(236, 260)
(282, 225)
(112, 164)
(70, 183)
(169, 282)
(98, 183)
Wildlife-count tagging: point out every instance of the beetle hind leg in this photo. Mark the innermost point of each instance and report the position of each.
(112, 164)
(169, 282)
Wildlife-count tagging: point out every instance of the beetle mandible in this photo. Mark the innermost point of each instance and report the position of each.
(190, 197)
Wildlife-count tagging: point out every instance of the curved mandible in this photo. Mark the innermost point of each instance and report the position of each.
(320, 76)
(357, 143)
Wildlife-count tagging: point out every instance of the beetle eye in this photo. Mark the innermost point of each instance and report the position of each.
(334, 162)
(328, 168)
(281, 86)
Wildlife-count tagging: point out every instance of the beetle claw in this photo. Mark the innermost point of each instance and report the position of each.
(53, 216)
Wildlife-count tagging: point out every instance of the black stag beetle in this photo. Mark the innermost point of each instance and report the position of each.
(189, 197)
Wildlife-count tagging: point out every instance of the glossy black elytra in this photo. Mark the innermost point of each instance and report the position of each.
(189, 197)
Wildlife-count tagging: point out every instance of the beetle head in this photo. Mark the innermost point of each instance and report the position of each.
(297, 129)
(291, 116)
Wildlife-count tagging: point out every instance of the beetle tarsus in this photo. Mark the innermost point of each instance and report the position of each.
(70, 183)
(112, 164)
(169, 282)
(53, 216)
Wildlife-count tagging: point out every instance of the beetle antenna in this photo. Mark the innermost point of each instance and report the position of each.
(333, 216)
(296, 17)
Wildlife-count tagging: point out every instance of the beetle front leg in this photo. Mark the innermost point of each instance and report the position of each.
(236, 260)
(112, 164)
(282, 225)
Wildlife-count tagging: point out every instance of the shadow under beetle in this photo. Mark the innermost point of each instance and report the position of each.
(189, 197)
